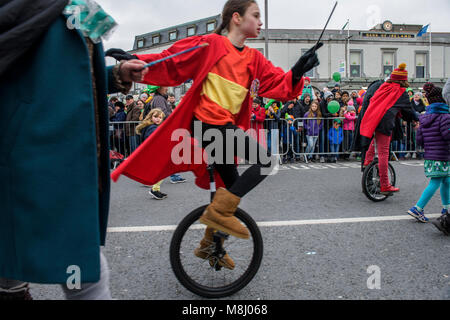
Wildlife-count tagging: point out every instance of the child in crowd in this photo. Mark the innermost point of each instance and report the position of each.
(312, 128)
(434, 135)
(345, 97)
(417, 103)
(335, 136)
(289, 134)
(349, 127)
(308, 89)
(145, 129)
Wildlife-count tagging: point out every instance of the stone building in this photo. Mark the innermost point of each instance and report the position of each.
(361, 56)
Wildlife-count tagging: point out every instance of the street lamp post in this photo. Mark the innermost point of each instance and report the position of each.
(266, 37)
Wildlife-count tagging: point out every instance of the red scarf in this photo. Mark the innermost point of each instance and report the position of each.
(384, 99)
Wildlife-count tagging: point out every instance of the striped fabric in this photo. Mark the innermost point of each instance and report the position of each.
(226, 87)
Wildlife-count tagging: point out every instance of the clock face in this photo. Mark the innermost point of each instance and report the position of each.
(387, 26)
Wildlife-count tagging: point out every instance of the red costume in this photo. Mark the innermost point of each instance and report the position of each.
(153, 160)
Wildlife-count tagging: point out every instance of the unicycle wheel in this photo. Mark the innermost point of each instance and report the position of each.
(205, 277)
(371, 182)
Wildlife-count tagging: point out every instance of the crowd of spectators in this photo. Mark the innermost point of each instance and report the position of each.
(306, 129)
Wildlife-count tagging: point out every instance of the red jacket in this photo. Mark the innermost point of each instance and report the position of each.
(152, 161)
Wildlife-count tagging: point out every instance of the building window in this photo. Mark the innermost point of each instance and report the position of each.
(140, 43)
(155, 39)
(191, 31)
(421, 65)
(388, 63)
(211, 26)
(172, 36)
(355, 64)
(311, 72)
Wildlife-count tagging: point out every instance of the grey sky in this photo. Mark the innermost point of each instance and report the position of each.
(141, 16)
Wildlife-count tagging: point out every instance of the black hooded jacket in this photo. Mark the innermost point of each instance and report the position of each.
(22, 23)
(390, 123)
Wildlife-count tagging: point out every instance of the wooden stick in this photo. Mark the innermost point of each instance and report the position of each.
(320, 38)
(174, 55)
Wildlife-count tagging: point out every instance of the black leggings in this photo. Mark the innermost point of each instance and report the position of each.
(244, 147)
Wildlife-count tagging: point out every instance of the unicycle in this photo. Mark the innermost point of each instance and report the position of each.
(371, 186)
(371, 182)
(206, 277)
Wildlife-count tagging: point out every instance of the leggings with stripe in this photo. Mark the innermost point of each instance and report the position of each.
(436, 183)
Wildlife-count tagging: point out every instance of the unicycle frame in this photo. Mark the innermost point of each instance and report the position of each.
(212, 181)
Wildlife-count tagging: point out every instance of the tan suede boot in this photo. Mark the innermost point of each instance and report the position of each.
(220, 214)
(204, 251)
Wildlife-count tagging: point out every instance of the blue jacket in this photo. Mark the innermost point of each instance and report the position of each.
(120, 116)
(146, 132)
(335, 136)
(289, 133)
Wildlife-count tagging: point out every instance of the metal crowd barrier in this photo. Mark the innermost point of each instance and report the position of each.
(291, 141)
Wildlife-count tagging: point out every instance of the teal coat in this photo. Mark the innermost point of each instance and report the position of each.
(52, 215)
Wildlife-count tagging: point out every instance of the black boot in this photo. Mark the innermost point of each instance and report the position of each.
(443, 223)
(21, 292)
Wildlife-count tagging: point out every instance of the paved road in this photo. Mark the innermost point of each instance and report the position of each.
(315, 247)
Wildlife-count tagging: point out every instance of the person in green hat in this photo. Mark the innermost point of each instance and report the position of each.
(273, 113)
(410, 93)
(148, 104)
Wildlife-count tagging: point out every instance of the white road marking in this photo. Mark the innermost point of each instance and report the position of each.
(412, 163)
(342, 165)
(274, 223)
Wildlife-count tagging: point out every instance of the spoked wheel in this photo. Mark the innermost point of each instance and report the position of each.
(206, 277)
(371, 182)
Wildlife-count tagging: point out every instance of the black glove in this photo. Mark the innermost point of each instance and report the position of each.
(119, 54)
(307, 61)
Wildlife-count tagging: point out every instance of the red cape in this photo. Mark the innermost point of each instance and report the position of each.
(152, 161)
(384, 99)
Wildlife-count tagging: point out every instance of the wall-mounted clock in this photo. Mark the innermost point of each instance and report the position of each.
(387, 26)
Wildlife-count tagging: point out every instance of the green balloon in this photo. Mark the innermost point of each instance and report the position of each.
(337, 76)
(333, 107)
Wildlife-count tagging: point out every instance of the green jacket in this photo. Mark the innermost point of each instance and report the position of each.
(53, 215)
